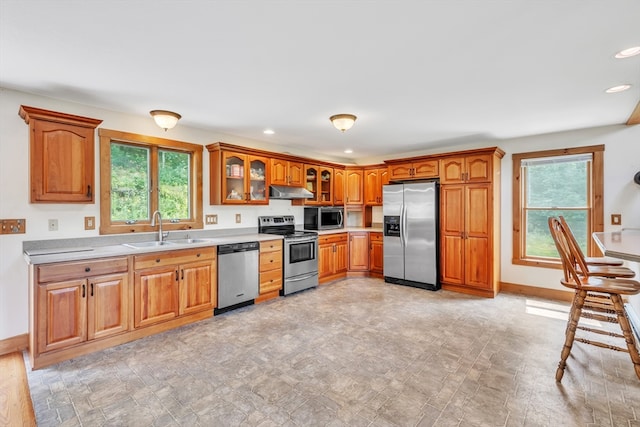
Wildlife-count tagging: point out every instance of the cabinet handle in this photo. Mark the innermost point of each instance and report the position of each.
(182, 278)
(176, 275)
(83, 291)
(88, 191)
(92, 289)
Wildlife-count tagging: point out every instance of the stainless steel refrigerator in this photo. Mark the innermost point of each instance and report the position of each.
(411, 243)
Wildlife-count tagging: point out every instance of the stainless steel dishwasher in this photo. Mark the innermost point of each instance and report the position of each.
(237, 273)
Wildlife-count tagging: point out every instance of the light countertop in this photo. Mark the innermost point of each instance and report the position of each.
(64, 252)
(623, 244)
(349, 230)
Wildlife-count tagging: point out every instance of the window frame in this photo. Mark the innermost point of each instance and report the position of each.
(154, 144)
(595, 215)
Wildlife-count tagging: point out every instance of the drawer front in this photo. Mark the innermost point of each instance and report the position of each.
(270, 281)
(79, 269)
(270, 261)
(162, 259)
(332, 238)
(271, 246)
(375, 237)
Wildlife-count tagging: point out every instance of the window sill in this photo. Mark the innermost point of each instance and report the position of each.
(557, 265)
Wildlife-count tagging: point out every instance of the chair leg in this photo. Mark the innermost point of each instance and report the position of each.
(574, 317)
(627, 332)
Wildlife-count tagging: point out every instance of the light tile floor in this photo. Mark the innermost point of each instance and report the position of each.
(356, 352)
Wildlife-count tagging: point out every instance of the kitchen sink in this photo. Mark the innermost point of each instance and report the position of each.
(190, 241)
(141, 245)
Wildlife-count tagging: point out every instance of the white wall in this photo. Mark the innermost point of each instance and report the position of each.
(621, 194)
(622, 160)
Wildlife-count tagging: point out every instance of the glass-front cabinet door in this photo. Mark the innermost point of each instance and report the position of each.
(244, 179)
(258, 190)
(311, 183)
(326, 186)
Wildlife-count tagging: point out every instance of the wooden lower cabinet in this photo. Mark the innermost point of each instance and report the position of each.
(376, 254)
(271, 272)
(75, 303)
(333, 256)
(359, 251)
(170, 284)
(83, 306)
(467, 260)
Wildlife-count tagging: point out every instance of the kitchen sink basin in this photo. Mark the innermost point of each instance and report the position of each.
(141, 245)
(190, 241)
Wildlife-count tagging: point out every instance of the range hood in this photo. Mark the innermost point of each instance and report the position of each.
(284, 192)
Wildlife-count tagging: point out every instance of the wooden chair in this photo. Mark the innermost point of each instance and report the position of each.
(594, 289)
(599, 260)
(584, 267)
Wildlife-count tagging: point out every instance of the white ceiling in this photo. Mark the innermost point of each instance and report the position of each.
(418, 74)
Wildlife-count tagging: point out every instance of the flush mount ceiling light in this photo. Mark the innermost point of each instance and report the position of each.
(165, 119)
(348, 151)
(343, 122)
(619, 88)
(627, 53)
(268, 132)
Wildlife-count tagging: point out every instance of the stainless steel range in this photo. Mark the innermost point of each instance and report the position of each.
(300, 252)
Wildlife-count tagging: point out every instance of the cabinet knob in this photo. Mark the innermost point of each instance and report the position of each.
(87, 269)
(198, 255)
(157, 259)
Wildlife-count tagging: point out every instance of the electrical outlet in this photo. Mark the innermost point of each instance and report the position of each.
(616, 219)
(211, 219)
(53, 225)
(89, 222)
(238, 218)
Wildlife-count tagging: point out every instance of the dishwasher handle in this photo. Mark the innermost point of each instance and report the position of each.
(238, 247)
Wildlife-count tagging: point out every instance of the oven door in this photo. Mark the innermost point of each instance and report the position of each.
(300, 256)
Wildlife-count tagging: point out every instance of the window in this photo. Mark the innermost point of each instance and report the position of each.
(141, 174)
(567, 182)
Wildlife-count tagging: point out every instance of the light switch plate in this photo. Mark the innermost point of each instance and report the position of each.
(211, 219)
(616, 219)
(89, 222)
(238, 218)
(13, 226)
(53, 225)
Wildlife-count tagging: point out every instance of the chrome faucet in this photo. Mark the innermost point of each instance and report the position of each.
(161, 235)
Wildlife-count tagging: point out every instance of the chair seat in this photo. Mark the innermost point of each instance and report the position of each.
(608, 271)
(597, 260)
(602, 284)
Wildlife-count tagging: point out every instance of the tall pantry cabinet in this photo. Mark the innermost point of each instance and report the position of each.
(470, 221)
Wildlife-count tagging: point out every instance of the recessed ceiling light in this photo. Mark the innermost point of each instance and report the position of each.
(348, 151)
(619, 88)
(626, 53)
(268, 132)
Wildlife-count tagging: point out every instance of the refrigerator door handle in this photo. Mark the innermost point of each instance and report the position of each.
(403, 226)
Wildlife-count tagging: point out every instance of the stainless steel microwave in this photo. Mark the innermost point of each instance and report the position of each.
(323, 217)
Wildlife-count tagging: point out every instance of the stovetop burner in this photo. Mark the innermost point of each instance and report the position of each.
(283, 225)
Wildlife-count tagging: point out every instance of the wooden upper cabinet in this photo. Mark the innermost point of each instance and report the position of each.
(354, 186)
(338, 186)
(374, 179)
(284, 172)
(414, 170)
(237, 178)
(467, 169)
(61, 156)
